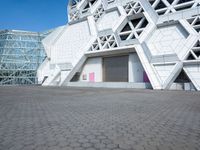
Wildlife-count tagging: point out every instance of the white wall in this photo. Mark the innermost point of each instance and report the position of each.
(92, 65)
(167, 40)
(193, 72)
(43, 71)
(70, 46)
(108, 20)
(135, 69)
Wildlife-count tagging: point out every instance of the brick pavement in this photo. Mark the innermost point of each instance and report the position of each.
(53, 118)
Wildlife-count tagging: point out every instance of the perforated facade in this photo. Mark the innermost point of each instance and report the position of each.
(160, 38)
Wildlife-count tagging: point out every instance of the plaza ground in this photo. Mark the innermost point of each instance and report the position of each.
(61, 118)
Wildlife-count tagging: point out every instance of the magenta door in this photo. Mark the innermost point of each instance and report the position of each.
(92, 77)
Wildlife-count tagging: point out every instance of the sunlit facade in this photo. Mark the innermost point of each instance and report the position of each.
(126, 43)
(21, 53)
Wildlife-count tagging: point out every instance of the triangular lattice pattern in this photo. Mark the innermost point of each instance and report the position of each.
(74, 15)
(133, 8)
(195, 22)
(194, 53)
(104, 42)
(169, 6)
(98, 13)
(88, 5)
(133, 29)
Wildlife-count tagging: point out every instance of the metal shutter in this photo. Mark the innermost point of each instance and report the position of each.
(115, 69)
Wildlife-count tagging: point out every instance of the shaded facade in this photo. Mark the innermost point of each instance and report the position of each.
(21, 53)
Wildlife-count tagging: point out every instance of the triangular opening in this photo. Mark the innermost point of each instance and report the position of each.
(126, 28)
(144, 23)
(190, 57)
(92, 1)
(182, 78)
(170, 11)
(197, 44)
(151, 2)
(128, 7)
(197, 21)
(160, 5)
(139, 32)
(133, 37)
(171, 1)
(197, 53)
(135, 21)
(87, 6)
(183, 1)
(124, 37)
(137, 9)
(197, 29)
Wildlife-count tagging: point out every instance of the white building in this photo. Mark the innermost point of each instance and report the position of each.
(126, 43)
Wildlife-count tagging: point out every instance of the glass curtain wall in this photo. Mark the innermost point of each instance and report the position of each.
(21, 53)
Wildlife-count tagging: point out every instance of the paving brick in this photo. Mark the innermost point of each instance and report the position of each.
(52, 118)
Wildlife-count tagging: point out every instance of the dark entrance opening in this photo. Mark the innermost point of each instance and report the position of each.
(182, 78)
(115, 69)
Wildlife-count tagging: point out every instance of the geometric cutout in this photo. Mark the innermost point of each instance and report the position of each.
(133, 28)
(88, 5)
(190, 56)
(169, 6)
(126, 28)
(104, 42)
(108, 42)
(182, 78)
(98, 13)
(133, 8)
(195, 23)
(194, 53)
(74, 15)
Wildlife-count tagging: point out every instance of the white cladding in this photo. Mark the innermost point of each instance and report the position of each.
(108, 20)
(69, 47)
(161, 38)
(93, 68)
(136, 71)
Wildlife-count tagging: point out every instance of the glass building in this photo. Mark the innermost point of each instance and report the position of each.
(21, 53)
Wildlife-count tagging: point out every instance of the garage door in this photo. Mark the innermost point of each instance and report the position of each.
(115, 69)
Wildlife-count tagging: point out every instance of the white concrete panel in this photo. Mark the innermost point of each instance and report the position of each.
(92, 67)
(69, 48)
(136, 71)
(164, 71)
(51, 38)
(193, 72)
(43, 71)
(140, 49)
(108, 20)
(167, 40)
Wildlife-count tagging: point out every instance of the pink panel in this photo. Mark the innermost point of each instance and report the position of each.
(92, 77)
(145, 77)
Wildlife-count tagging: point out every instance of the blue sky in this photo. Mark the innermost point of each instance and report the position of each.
(32, 15)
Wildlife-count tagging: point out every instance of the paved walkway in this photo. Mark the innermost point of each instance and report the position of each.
(38, 118)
